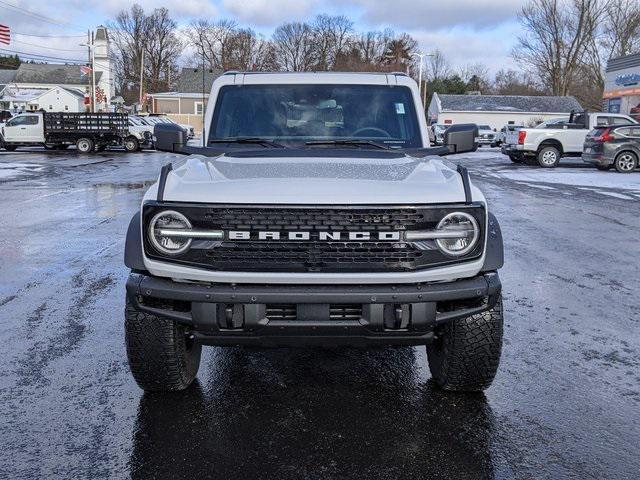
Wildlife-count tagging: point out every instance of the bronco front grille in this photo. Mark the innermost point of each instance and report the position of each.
(315, 254)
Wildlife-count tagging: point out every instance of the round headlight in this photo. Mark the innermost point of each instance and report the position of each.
(463, 233)
(169, 244)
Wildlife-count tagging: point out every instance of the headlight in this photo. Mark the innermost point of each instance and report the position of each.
(165, 222)
(461, 231)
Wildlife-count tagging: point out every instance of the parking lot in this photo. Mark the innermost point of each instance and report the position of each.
(565, 403)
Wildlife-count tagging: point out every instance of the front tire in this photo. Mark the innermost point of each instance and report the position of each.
(465, 357)
(626, 162)
(131, 144)
(85, 145)
(161, 357)
(548, 157)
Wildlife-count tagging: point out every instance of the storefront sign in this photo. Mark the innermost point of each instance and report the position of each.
(628, 79)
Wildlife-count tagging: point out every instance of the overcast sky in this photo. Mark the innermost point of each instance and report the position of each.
(467, 31)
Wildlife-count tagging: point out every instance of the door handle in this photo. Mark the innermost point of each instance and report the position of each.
(23, 128)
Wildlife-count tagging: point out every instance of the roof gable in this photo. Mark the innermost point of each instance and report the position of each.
(508, 103)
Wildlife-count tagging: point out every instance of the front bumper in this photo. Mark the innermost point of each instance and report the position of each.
(234, 314)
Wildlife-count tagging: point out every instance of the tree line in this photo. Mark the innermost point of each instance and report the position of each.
(563, 50)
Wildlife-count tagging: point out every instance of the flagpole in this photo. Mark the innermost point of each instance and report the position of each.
(93, 70)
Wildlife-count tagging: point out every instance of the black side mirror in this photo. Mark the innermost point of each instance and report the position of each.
(461, 138)
(170, 137)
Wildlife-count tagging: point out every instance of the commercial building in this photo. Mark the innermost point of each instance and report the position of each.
(499, 110)
(622, 86)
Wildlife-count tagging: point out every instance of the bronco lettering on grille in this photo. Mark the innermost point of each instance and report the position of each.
(322, 236)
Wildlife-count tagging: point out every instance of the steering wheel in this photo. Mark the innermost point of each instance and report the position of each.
(373, 129)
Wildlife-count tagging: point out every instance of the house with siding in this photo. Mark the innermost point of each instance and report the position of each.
(499, 110)
(186, 104)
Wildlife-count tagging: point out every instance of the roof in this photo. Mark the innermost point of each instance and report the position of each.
(624, 62)
(50, 74)
(176, 95)
(190, 80)
(7, 76)
(15, 94)
(507, 103)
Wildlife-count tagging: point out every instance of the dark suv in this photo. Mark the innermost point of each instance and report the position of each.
(617, 146)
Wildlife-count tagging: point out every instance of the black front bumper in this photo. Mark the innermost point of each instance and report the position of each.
(227, 314)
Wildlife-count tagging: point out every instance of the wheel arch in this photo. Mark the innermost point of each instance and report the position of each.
(551, 143)
(494, 255)
(133, 256)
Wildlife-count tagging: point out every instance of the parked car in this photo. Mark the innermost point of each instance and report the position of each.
(618, 146)
(547, 145)
(501, 136)
(486, 135)
(141, 134)
(438, 133)
(5, 115)
(315, 214)
(156, 119)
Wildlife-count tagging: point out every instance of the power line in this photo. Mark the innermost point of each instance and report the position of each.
(76, 50)
(37, 16)
(44, 57)
(84, 35)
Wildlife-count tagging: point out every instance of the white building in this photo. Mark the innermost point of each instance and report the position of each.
(499, 110)
(54, 99)
(622, 85)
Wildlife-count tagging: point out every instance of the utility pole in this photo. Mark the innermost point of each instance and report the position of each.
(204, 142)
(93, 71)
(141, 77)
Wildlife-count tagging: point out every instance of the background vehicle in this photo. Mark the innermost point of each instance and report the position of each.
(5, 115)
(546, 146)
(486, 135)
(88, 131)
(154, 120)
(316, 213)
(140, 134)
(619, 147)
(438, 133)
(501, 136)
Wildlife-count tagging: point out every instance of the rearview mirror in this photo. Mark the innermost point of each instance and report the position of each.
(461, 138)
(170, 137)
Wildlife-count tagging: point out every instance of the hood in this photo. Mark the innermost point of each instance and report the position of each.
(372, 179)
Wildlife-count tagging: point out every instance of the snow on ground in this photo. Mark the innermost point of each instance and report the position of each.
(583, 178)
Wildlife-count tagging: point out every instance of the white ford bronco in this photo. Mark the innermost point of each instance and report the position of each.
(314, 213)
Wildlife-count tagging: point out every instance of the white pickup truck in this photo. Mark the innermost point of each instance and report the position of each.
(547, 144)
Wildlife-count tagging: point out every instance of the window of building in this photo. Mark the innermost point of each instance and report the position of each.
(198, 108)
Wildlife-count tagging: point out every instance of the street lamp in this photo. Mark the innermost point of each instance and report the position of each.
(91, 48)
(421, 57)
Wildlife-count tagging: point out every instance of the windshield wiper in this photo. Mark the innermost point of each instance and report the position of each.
(248, 140)
(355, 143)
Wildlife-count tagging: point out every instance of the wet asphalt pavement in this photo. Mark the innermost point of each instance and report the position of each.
(565, 403)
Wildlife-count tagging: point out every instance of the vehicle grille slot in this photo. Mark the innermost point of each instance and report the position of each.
(281, 312)
(345, 312)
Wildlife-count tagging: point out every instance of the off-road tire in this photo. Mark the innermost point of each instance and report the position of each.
(85, 145)
(466, 354)
(131, 144)
(161, 357)
(548, 157)
(626, 162)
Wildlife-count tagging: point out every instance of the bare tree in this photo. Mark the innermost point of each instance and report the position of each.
(437, 67)
(294, 46)
(511, 82)
(135, 33)
(557, 38)
(398, 50)
(331, 37)
(621, 29)
(213, 41)
(477, 77)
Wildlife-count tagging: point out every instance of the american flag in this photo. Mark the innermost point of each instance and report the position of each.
(85, 70)
(5, 34)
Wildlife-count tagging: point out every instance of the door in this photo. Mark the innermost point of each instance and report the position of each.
(25, 128)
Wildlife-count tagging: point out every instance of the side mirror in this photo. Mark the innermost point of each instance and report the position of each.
(169, 137)
(461, 138)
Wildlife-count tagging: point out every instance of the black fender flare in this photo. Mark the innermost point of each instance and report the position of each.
(133, 257)
(494, 256)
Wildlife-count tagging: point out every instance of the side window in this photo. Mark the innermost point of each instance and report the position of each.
(618, 121)
(31, 120)
(602, 121)
(22, 120)
(634, 132)
(624, 131)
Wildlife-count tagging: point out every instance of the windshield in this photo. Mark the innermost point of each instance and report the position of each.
(484, 127)
(303, 113)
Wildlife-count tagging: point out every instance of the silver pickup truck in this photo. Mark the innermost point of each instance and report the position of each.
(315, 213)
